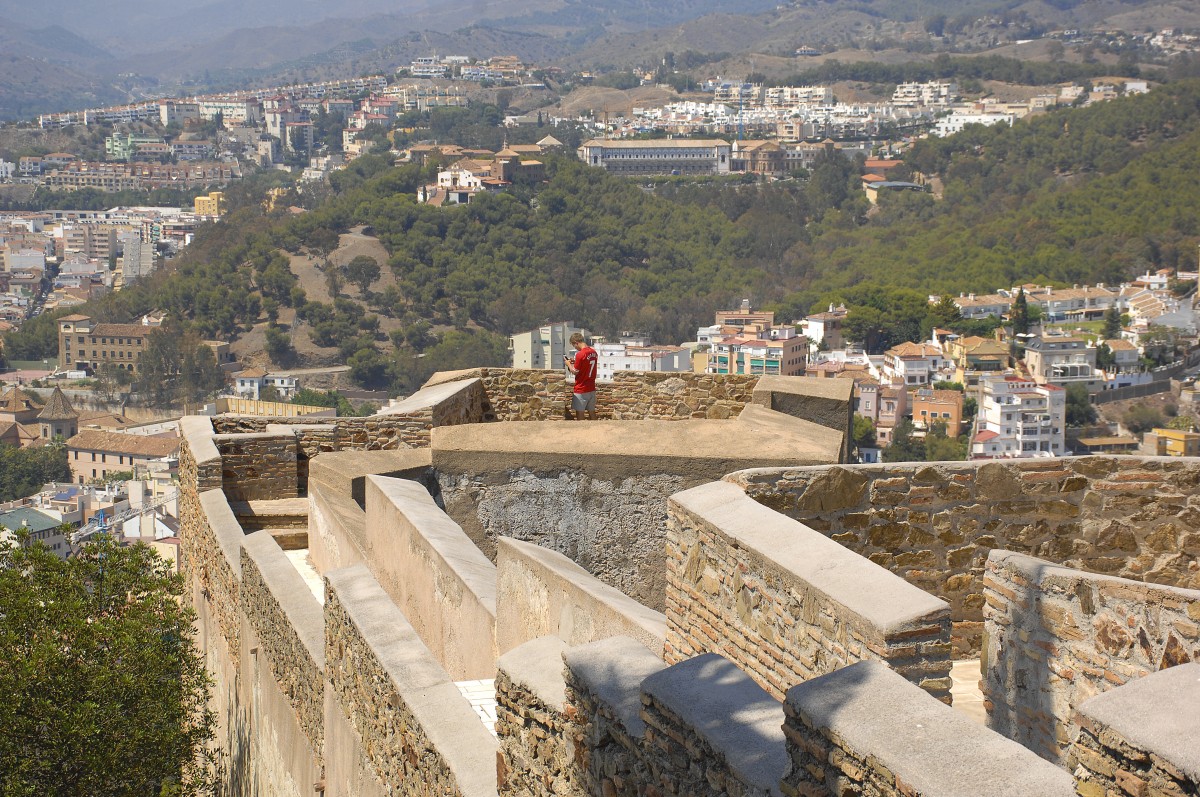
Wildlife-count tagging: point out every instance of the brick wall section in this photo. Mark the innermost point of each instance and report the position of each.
(787, 605)
(536, 755)
(603, 706)
(258, 466)
(1057, 637)
(1140, 740)
(935, 524)
(537, 395)
(373, 433)
(199, 470)
(297, 667)
(863, 730)
(214, 558)
(419, 734)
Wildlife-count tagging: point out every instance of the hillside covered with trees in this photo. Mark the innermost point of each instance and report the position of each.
(1070, 196)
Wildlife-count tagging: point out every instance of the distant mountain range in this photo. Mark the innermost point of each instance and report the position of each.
(123, 50)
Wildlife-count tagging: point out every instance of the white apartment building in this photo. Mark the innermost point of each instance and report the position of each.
(545, 346)
(1061, 360)
(1020, 418)
(955, 122)
(913, 364)
(916, 95)
(637, 355)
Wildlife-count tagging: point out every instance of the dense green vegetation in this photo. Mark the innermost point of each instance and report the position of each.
(105, 694)
(23, 471)
(1071, 196)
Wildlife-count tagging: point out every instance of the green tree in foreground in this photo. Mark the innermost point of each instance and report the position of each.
(104, 693)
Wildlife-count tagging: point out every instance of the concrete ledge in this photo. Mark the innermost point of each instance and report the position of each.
(302, 610)
(701, 450)
(872, 719)
(337, 529)
(225, 527)
(740, 723)
(538, 667)
(442, 719)
(1158, 714)
(542, 592)
(827, 402)
(442, 582)
(346, 472)
(613, 670)
(197, 430)
(431, 396)
(874, 595)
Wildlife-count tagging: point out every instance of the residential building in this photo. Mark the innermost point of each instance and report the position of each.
(211, 205)
(42, 528)
(660, 156)
(884, 405)
(913, 364)
(1173, 443)
(251, 382)
(94, 453)
(758, 157)
(930, 407)
(636, 354)
(1073, 304)
(1020, 418)
(545, 346)
(982, 306)
(781, 352)
(1127, 358)
(824, 330)
(1061, 360)
(177, 112)
(86, 345)
(137, 256)
(956, 121)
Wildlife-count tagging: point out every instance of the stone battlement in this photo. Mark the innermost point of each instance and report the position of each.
(644, 592)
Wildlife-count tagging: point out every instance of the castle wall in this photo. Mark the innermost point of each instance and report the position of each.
(1057, 637)
(443, 584)
(866, 730)
(417, 735)
(536, 751)
(934, 524)
(259, 466)
(785, 603)
(1139, 740)
(540, 592)
(542, 395)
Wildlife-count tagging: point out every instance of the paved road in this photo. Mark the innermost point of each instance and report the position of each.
(333, 369)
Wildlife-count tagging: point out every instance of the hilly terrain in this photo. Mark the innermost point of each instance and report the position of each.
(132, 49)
(1076, 195)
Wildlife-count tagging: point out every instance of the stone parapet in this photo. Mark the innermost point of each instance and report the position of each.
(259, 466)
(536, 753)
(934, 524)
(290, 627)
(346, 472)
(603, 704)
(785, 603)
(337, 529)
(418, 734)
(215, 560)
(543, 593)
(708, 713)
(444, 585)
(515, 394)
(1140, 740)
(866, 730)
(1057, 637)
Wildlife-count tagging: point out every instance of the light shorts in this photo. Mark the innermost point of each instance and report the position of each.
(583, 402)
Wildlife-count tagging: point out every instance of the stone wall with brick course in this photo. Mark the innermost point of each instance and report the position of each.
(538, 395)
(536, 750)
(259, 466)
(289, 624)
(419, 735)
(863, 730)
(934, 524)
(1057, 637)
(1139, 740)
(785, 603)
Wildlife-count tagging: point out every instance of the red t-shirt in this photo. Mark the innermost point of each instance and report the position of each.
(585, 370)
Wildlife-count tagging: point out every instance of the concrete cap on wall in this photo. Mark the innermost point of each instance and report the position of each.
(429, 396)
(613, 670)
(925, 743)
(873, 593)
(734, 715)
(538, 666)
(1159, 713)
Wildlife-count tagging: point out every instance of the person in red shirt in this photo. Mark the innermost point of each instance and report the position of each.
(584, 366)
